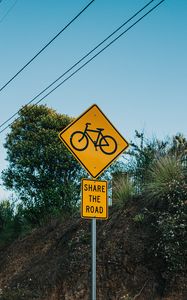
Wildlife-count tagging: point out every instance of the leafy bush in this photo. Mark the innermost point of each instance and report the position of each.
(6, 221)
(172, 242)
(159, 171)
(165, 181)
(139, 218)
(142, 154)
(123, 189)
(167, 198)
(12, 222)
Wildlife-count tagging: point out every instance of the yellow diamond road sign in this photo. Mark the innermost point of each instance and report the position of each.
(94, 199)
(93, 140)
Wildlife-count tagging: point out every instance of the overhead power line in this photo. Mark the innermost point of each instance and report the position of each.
(8, 11)
(67, 71)
(52, 40)
(79, 61)
(77, 70)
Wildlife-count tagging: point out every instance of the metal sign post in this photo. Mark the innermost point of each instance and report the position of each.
(95, 143)
(93, 259)
(94, 205)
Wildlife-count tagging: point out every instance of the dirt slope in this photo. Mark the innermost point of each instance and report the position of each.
(54, 263)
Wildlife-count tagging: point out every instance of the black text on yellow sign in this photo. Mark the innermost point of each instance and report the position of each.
(94, 199)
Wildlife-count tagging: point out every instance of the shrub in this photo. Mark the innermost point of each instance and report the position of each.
(172, 242)
(166, 191)
(6, 221)
(142, 154)
(165, 182)
(123, 189)
(12, 222)
(139, 218)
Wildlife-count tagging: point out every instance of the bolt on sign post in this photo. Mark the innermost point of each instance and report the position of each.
(95, 143)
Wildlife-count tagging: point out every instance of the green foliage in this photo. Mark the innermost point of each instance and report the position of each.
(46, 179)
(123, 188)
(6, 222)
(6, 213)
(179, 145)
(166, 181)
(167, 194)
(41, 171)
(10, 222)
(139, 218)
(142, 154)
(172, 241)
(159, 171)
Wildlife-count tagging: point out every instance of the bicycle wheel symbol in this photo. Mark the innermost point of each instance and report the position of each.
(79, 141)
(108, 145)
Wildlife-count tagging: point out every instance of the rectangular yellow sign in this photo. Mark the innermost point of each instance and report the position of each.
(94, 199)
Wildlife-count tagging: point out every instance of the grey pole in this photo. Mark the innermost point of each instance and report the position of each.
(93, 259)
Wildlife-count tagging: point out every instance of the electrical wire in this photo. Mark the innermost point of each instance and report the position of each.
(8, 11)
(98, 45)
(84, 64)
(93, 57)
(39, 52)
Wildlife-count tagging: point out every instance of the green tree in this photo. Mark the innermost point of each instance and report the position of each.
(41, 171)
(6, 214)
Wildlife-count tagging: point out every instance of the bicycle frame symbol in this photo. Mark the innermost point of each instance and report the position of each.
(80, 140)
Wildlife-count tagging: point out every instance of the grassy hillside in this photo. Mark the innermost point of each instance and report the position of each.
(54, 262)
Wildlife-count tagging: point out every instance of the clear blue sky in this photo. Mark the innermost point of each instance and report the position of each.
(140, 82)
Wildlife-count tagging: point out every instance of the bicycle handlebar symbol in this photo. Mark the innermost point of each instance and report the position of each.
(80, 140)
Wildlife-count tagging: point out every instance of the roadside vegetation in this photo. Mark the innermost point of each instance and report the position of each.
(45, 178)
(157, 175)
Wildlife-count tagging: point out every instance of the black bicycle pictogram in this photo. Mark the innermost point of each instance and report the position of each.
(80, 140)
